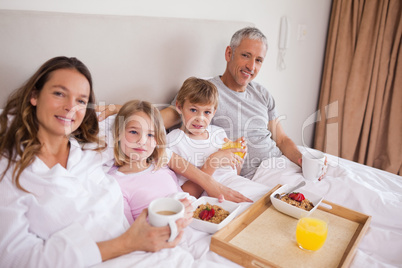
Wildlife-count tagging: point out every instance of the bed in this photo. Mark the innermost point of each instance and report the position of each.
(112, 46)
(355, 186)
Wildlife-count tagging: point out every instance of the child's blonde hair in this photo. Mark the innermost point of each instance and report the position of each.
(130, 108)
(198, 91)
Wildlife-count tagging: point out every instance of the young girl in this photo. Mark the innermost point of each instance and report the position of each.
(140, 157)
(143, 167)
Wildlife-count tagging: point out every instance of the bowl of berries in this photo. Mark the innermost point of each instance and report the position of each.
(210, 215)
(298, 204)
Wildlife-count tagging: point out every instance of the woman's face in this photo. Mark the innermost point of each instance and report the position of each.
(62, 102)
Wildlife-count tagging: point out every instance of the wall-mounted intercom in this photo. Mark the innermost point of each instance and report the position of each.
(283, 43)
(284, 33)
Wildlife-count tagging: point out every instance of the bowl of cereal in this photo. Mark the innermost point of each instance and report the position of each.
(210, 216)
(298, 204)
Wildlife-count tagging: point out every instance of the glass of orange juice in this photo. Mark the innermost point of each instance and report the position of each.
(233, 144)
(311, 232)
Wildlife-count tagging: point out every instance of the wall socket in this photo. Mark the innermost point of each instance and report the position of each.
(301, 32)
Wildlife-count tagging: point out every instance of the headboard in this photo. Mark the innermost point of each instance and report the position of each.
(129, 57)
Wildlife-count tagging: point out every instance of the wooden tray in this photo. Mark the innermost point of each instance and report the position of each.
(263, 237)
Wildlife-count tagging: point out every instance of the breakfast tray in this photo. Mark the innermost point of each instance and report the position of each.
(263, 237)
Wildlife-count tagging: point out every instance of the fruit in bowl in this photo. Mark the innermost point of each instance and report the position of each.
(211, 213)
(295, 210)
(208, 226)
(297, 199)
(207, 214)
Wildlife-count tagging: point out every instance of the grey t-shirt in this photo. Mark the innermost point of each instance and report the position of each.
(247, 114)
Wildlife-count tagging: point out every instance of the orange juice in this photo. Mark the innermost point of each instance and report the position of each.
(232, 144)
(311, 233)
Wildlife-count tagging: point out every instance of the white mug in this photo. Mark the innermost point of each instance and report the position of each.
(165, 211)
(314, 165)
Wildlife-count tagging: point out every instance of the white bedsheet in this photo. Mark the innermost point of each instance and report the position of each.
(368, 190)
(358, 187)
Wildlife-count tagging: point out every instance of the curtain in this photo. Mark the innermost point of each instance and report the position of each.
(360, 105)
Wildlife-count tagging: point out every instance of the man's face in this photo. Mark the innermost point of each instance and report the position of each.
(244, 63)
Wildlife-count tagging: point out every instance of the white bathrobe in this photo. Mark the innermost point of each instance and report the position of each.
(66, 211)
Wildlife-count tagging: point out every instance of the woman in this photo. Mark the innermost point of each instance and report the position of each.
(57, 207)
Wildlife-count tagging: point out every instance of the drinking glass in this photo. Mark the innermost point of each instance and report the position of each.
(311, 232)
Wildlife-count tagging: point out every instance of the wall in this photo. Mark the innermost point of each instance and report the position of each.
(296, 89)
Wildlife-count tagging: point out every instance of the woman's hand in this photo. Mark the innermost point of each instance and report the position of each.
(107, 110)
(153, 239)
(141, 236)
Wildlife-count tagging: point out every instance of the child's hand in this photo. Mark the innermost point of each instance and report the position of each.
(223, 192)
(188, 213)
(221, 198)
(226, 157)
(243, 143)
(239, 143)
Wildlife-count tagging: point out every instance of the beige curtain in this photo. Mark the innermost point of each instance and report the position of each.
(360, 107)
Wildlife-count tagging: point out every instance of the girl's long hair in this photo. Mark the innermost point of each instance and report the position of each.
(19, 126)
(158, 157)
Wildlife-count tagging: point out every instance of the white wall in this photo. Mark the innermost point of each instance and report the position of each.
(296, 89)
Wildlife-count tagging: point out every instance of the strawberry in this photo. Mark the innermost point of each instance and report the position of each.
(207, 214)
(297, 196)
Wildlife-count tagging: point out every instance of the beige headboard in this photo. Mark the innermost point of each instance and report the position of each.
(129, 57)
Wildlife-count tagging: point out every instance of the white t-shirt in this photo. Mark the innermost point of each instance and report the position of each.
(247, 114)
(66, 211)
(197, 151)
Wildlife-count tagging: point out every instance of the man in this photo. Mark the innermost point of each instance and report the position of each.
(246, 108)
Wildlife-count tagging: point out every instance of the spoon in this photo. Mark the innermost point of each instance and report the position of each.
(300, 184)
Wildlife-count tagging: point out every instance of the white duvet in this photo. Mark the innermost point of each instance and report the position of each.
(358, 187)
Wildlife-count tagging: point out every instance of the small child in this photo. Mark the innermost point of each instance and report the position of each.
(141, 165)
(199, 142)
